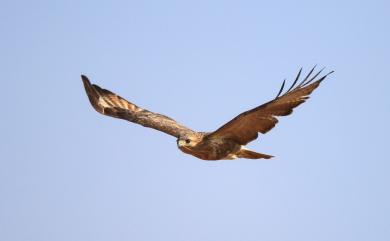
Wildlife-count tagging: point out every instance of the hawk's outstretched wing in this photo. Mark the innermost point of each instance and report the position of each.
(108, 103)
(245, 127)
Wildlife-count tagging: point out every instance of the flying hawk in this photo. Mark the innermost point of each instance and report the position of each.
(228, 142)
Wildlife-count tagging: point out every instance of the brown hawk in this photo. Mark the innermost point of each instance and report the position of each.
(228, 142)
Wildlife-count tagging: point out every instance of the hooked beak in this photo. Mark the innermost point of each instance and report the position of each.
(181, 143)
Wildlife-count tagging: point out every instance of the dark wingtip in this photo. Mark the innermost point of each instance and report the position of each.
(312, 78)
(84, 78)
(269, 157)
(87, 84)
(331, 72)
(295, 81)
(306, 81)
(306, 78)
(281, 89)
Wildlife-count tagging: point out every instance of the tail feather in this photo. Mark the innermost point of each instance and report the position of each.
(252, 155)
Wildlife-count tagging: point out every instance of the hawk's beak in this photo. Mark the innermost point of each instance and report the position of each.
(181, 142)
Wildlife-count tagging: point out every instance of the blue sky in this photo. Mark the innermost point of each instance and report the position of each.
(68, 173)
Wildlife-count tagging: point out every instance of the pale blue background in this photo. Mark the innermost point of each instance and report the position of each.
(70, 174)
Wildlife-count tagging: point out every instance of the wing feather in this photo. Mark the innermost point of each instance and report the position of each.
(245, 127)
(110, 104)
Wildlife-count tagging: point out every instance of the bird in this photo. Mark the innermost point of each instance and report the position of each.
(227, 142)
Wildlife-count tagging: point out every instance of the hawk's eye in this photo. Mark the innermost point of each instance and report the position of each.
(188, 141)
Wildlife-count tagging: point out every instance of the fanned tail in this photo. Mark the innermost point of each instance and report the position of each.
(243, 153)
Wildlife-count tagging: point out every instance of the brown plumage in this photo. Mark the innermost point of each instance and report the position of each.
(229, 140)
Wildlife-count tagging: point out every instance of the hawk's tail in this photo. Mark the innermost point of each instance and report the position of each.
(243, 153)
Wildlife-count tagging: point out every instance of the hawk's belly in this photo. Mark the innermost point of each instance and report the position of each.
(213, 149)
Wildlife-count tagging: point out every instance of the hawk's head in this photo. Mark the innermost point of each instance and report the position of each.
(188, 141)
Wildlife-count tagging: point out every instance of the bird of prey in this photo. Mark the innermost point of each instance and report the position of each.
(227, 142)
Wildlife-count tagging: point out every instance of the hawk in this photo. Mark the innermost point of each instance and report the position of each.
(227, 142)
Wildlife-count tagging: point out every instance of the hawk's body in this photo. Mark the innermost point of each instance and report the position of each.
(225, 143)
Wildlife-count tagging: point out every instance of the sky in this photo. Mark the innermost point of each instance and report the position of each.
(68, 173)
